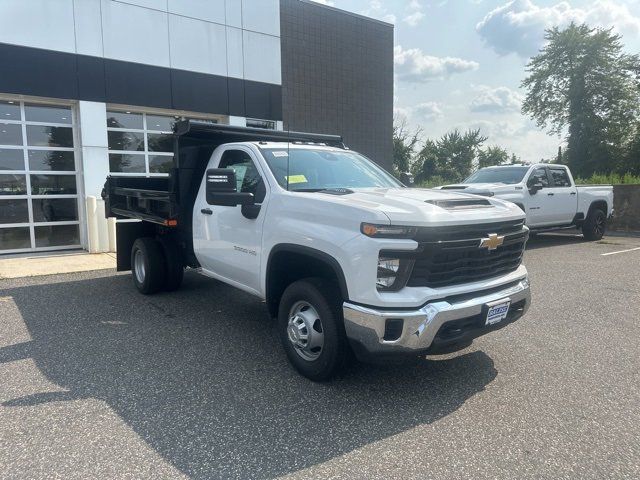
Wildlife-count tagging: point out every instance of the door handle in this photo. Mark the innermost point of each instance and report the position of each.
(551, 194)
(206, 211)
(572, 193)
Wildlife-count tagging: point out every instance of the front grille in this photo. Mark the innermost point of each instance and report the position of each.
(451, 255)
(462, 232)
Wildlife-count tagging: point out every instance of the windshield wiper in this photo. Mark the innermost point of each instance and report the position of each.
(308, 190)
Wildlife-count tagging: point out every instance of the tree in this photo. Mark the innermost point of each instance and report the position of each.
(493, 155)
(630, 163)
(404, 147)
(451, 157)
(427, 162)
(583, 84)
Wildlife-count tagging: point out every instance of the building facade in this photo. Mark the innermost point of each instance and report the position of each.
(90, 88)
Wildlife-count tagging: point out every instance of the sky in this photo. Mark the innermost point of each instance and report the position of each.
(459, 63)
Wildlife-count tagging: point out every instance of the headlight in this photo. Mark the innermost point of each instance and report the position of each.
(388, 231)
(393, 273)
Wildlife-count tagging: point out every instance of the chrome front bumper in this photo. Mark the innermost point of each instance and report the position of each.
(365, 327)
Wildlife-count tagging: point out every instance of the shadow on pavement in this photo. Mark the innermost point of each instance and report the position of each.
(200, 376)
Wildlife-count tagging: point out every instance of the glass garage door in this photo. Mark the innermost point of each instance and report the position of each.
(39, 207)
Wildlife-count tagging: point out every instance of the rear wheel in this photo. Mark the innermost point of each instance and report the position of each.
(148, 265)
(312, 329)
(595, 225)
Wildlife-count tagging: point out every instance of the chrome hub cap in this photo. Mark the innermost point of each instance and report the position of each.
(305, 331)
(138, 266)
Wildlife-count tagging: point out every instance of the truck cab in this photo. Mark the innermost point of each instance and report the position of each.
(346, 258)
(547, 194)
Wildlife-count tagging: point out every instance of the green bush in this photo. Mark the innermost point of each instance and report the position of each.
(432, 182)
(610, 179)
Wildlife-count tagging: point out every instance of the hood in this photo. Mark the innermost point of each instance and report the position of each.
(427, 207)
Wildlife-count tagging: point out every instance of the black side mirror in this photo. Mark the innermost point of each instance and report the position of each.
(407, 179)
(221, 189)
(534, 188)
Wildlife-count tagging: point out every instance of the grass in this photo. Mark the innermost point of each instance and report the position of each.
(610, 179)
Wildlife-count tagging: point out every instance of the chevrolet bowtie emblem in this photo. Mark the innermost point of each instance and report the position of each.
(492, 242)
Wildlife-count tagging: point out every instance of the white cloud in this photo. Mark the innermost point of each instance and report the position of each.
(377, 10)
(496, 100)
(518, 135)
(518, 26)
(414, 13)
(427, 111)
(325, 2)
(421, 113)
(412, 65)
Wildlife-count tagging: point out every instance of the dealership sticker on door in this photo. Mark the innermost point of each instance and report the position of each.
(497, 311)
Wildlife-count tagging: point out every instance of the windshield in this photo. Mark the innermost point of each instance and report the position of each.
(307, 169)
(508, 175)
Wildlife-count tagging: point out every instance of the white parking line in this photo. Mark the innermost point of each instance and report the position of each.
(620, 251)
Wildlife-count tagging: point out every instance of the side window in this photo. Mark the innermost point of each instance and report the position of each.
(539, 175)
(560, 177)
(247, 176)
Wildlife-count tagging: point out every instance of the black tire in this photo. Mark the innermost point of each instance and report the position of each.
(595, 226)
(325, 298)
(151, 278)
(174, 264)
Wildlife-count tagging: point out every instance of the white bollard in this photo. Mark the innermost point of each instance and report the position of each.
(111, 227)
(92, 225)
(101, 222)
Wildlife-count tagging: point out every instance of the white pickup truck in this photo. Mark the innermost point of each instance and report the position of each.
(548, 195)
(346, 257)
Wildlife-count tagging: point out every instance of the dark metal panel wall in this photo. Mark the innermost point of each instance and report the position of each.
(46, 73)
(337, 76)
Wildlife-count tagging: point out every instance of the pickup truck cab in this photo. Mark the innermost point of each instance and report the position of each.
(346, 257)
(548, 195)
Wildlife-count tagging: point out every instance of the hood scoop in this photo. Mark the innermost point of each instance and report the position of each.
(337, 191)
(461, 204)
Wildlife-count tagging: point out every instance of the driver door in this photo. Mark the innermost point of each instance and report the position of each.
(229, 242)
(539, 205)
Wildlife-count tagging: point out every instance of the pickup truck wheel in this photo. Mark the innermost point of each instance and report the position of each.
(148, 265)
(595, 225)
(175, 266)
(311, 328)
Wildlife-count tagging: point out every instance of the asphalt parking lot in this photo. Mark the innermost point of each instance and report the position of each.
(97, 381)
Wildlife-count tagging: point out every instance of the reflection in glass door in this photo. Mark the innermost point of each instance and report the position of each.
(39, 198)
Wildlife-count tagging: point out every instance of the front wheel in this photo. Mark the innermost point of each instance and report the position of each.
(595, 225)
(311, 328)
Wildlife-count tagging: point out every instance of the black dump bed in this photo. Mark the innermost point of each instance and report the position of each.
(168, 202)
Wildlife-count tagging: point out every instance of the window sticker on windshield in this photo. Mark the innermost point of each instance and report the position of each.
(280, 154)
(296, 179)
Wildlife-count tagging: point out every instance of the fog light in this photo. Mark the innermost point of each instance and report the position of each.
(393, 273)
